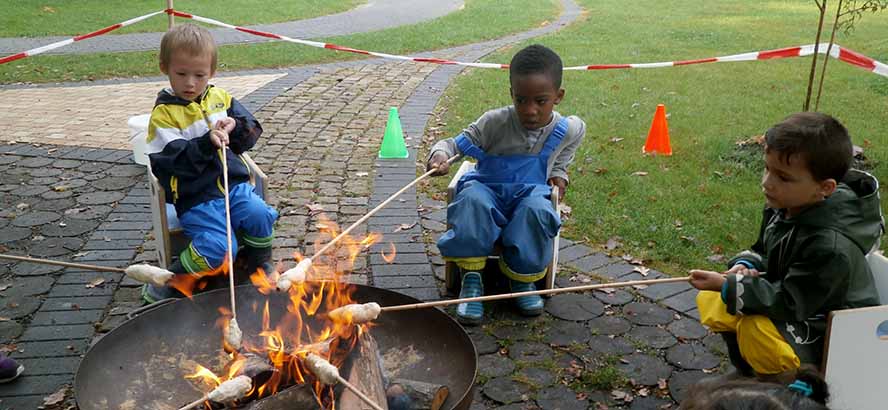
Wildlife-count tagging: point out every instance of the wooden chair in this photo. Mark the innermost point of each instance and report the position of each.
(168, 234)
(452, 277)
(856, 349)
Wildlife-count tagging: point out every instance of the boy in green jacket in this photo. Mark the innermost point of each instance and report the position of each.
(821, 219)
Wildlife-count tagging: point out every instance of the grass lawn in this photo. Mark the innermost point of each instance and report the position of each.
(33, 18)
(479, 20)
(705, 200)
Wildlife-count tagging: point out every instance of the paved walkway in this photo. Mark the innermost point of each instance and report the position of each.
(631, 349)
(375, 15)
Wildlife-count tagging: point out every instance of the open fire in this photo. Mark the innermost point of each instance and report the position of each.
(275, 358)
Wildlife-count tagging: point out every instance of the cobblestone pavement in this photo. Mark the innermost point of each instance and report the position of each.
(92, 115)
(375, 15)
(632, 349)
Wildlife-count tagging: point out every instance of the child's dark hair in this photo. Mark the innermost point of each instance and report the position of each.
(537, 59)
(807, 392)
(820, 140)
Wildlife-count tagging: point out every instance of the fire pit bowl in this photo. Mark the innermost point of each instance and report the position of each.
(142, 363)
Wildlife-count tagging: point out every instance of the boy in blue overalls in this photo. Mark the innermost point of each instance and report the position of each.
(521, 150)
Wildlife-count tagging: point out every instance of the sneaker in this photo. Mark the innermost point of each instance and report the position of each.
(527, 305)
(9, 370)
(470, 313)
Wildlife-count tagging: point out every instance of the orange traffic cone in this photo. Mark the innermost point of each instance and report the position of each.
(658, 137)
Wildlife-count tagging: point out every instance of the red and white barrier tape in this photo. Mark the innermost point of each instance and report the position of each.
(837, 52)
(332, 46)
(43, 49)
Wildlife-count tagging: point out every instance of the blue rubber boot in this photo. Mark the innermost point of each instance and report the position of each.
(470, 313)
(527, 305)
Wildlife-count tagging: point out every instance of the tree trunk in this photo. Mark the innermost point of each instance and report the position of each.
(814, 57)
(832, 39)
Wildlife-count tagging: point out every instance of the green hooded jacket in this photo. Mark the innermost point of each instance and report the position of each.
(811, 264)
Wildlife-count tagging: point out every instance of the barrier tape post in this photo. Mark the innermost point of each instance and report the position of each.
(172, 19)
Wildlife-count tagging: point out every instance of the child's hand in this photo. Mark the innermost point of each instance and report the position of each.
(561, 184)
(438, 161)
(219, 138)
(741, 269)
(226, 124)
(707, 280)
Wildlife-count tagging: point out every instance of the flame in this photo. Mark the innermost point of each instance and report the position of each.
(391, 256)
(186, 284)
(206, 376)
(287, 337)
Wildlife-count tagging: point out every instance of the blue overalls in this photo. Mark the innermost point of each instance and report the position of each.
(505, 198)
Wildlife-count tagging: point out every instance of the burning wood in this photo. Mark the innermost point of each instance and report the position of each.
(406, 394)
(365, 374)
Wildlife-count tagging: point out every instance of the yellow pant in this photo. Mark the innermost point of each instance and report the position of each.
(761, 345)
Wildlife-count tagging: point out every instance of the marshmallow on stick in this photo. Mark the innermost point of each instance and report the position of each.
(148, 274)
(233, 335)
(322, 369)
(294, 275)
(356, 314)
(229, 390)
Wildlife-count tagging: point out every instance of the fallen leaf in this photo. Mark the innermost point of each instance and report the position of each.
(5, 286)
(314, 209)
(22, 206)
(564, 210)
(717, 258)
(62, 224)
(643, 392)
(49, 9)
(75, 211)
(4, 319)
(600, 171)
(95, 282)
(608, 291)
(106, 239)
(362, 174)
(662, 384)
(79, 254)
(710, 371)
(61, 188)
(642, 270)
(639, 174)
(613, 243)
(404, 227)
(616, 139)
(582, 396)
(601, 406)
(690, 239)
(56, 397)
(624, 361)
(640, 287)
(678, 223)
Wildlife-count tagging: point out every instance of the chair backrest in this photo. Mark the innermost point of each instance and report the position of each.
(879, 266)
(167, 231)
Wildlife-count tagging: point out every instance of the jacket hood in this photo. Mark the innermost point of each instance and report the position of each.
(853, 209)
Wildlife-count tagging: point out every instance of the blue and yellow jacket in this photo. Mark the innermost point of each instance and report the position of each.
(184, 160)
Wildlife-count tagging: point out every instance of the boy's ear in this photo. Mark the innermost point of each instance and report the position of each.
(827, 187)
(559, 96)
(163, 68)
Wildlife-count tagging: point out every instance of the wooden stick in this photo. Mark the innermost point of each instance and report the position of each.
(195, 403)
(357, 392)
(228, 233)
(534, 292)
(60, 263)
(378, 207)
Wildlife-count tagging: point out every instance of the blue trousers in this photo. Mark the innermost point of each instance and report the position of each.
(205, 225)
(519, 215)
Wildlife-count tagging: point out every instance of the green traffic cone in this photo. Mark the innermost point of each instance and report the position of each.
(393, 141)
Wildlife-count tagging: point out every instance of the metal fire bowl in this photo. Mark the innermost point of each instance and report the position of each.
(143, 362)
